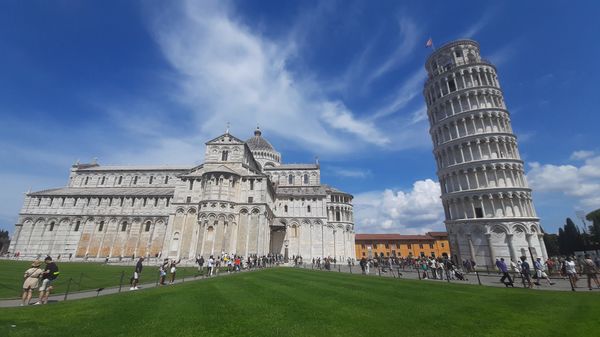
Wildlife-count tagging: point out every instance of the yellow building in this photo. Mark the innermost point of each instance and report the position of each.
(389, 245)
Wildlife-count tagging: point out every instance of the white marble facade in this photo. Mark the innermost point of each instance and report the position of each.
(242, 200)
(487, 202)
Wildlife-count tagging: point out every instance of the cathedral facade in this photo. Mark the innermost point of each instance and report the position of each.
(242, 200)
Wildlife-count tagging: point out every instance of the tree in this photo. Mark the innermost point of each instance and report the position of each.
(552, 247)
(3, 234)
(594, 229)
(570, 238)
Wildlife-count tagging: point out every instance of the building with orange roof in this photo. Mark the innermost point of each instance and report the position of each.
(397, 245)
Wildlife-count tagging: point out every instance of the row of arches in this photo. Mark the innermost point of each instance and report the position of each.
(474, 99)
(460, 79)
(492, 175)
(493, 205)
(340, 214)
(455, 54)
(60, 201)
(490, 121)
(476, 149)
(123, 179)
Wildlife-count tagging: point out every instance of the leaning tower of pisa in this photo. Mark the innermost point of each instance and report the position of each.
(487, 202)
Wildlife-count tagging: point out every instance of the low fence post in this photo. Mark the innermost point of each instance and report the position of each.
(68, 287)
(478, 279)
(121, 281)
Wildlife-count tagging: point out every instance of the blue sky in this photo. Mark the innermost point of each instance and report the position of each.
(149, 82)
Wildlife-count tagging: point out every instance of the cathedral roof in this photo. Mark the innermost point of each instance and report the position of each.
(332, 189)
(258, 143)
(293, 167)
(106, 191)
(137, 168)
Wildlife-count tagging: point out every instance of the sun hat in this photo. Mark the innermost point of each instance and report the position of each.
(36, 263)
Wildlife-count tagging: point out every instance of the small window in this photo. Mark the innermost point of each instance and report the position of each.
(122, 200)
(151, 179)
(145, 201)
(101, 226)
(431, 245)
(478, 212)
(251, 184)
(124, 226)
(39, 201)
(306, 179)
(420, 246)
(409, 246)
(110, 200)
(458, 53)
(191, 184)
(87, 179)
(250, 200)
(291, 179)
(224, 155)
(51, 227)
(374, 246)
(443, 245)
(103, 180)
(387, 246)
(120, 180)
(166, 179)
(135, 179)
(147, 228)
(77, 224)
(188, 200)
(308, 208)
(168, 201)
(362, 246)
(285, 208)
(155, 202)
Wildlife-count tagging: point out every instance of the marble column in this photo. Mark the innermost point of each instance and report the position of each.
(490, 242)
(543, 246)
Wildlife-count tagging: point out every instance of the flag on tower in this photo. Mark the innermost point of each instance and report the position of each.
(429, 43)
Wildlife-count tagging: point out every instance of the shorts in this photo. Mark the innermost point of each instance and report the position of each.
(46, 283)
(136, 276)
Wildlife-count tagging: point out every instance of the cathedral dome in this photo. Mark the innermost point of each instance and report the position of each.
(262, 150)
(258, 143)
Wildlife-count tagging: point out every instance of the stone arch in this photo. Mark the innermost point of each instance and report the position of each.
(244, 211)
(180, 211)
(191, 210)
(255, 211)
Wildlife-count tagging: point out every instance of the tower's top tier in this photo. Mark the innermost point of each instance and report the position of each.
(451, 55)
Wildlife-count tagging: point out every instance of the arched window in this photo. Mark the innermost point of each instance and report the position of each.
(308, 208)
(337, 216)
(210, 233)
(77, 224)
(124, 226)
(306, 179)
(224, 155)
(285, 208)
(101, 226)
(151, 179)
(51, 226)
(166, 179)
(147, 228)
(175, 242)
(103, 180)
(135, 179)
(294, 232)
(291, 179)
(120, 180)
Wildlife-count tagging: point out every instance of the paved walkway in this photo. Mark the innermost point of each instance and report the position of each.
(488, 279)
(112, 290)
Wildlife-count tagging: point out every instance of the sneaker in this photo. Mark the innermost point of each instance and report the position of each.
(551, 283)
(132, 288)
(136, 288)
(37, 303)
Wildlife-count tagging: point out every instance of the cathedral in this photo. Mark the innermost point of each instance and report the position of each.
(242, 200)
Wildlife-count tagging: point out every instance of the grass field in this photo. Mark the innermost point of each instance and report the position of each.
(92, 276)
(292, 302)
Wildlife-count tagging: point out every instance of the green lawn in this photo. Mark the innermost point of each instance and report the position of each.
(292, 302)
(92, 276)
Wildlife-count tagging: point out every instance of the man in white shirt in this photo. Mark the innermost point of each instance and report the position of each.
(210, 265)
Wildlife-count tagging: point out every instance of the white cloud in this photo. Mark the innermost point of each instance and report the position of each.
(415, 211)
(226, 72)
(583, 154)
(408, 35)
(476, 27)
(581, 183)
(410, 89)
(348, 172)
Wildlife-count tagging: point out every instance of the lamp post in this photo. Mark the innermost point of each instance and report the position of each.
(286, 243)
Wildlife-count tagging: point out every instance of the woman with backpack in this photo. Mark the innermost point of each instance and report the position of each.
(31, 280)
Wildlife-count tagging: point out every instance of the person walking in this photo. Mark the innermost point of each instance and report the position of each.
(590, 269)
(173, 270)
(31, 280)
(526, 272)
(210, 265)
(539, 272)
(136, 274)
(505, 275)
(163, 271)
(49, 274)
(200, 262)
(571, 271)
